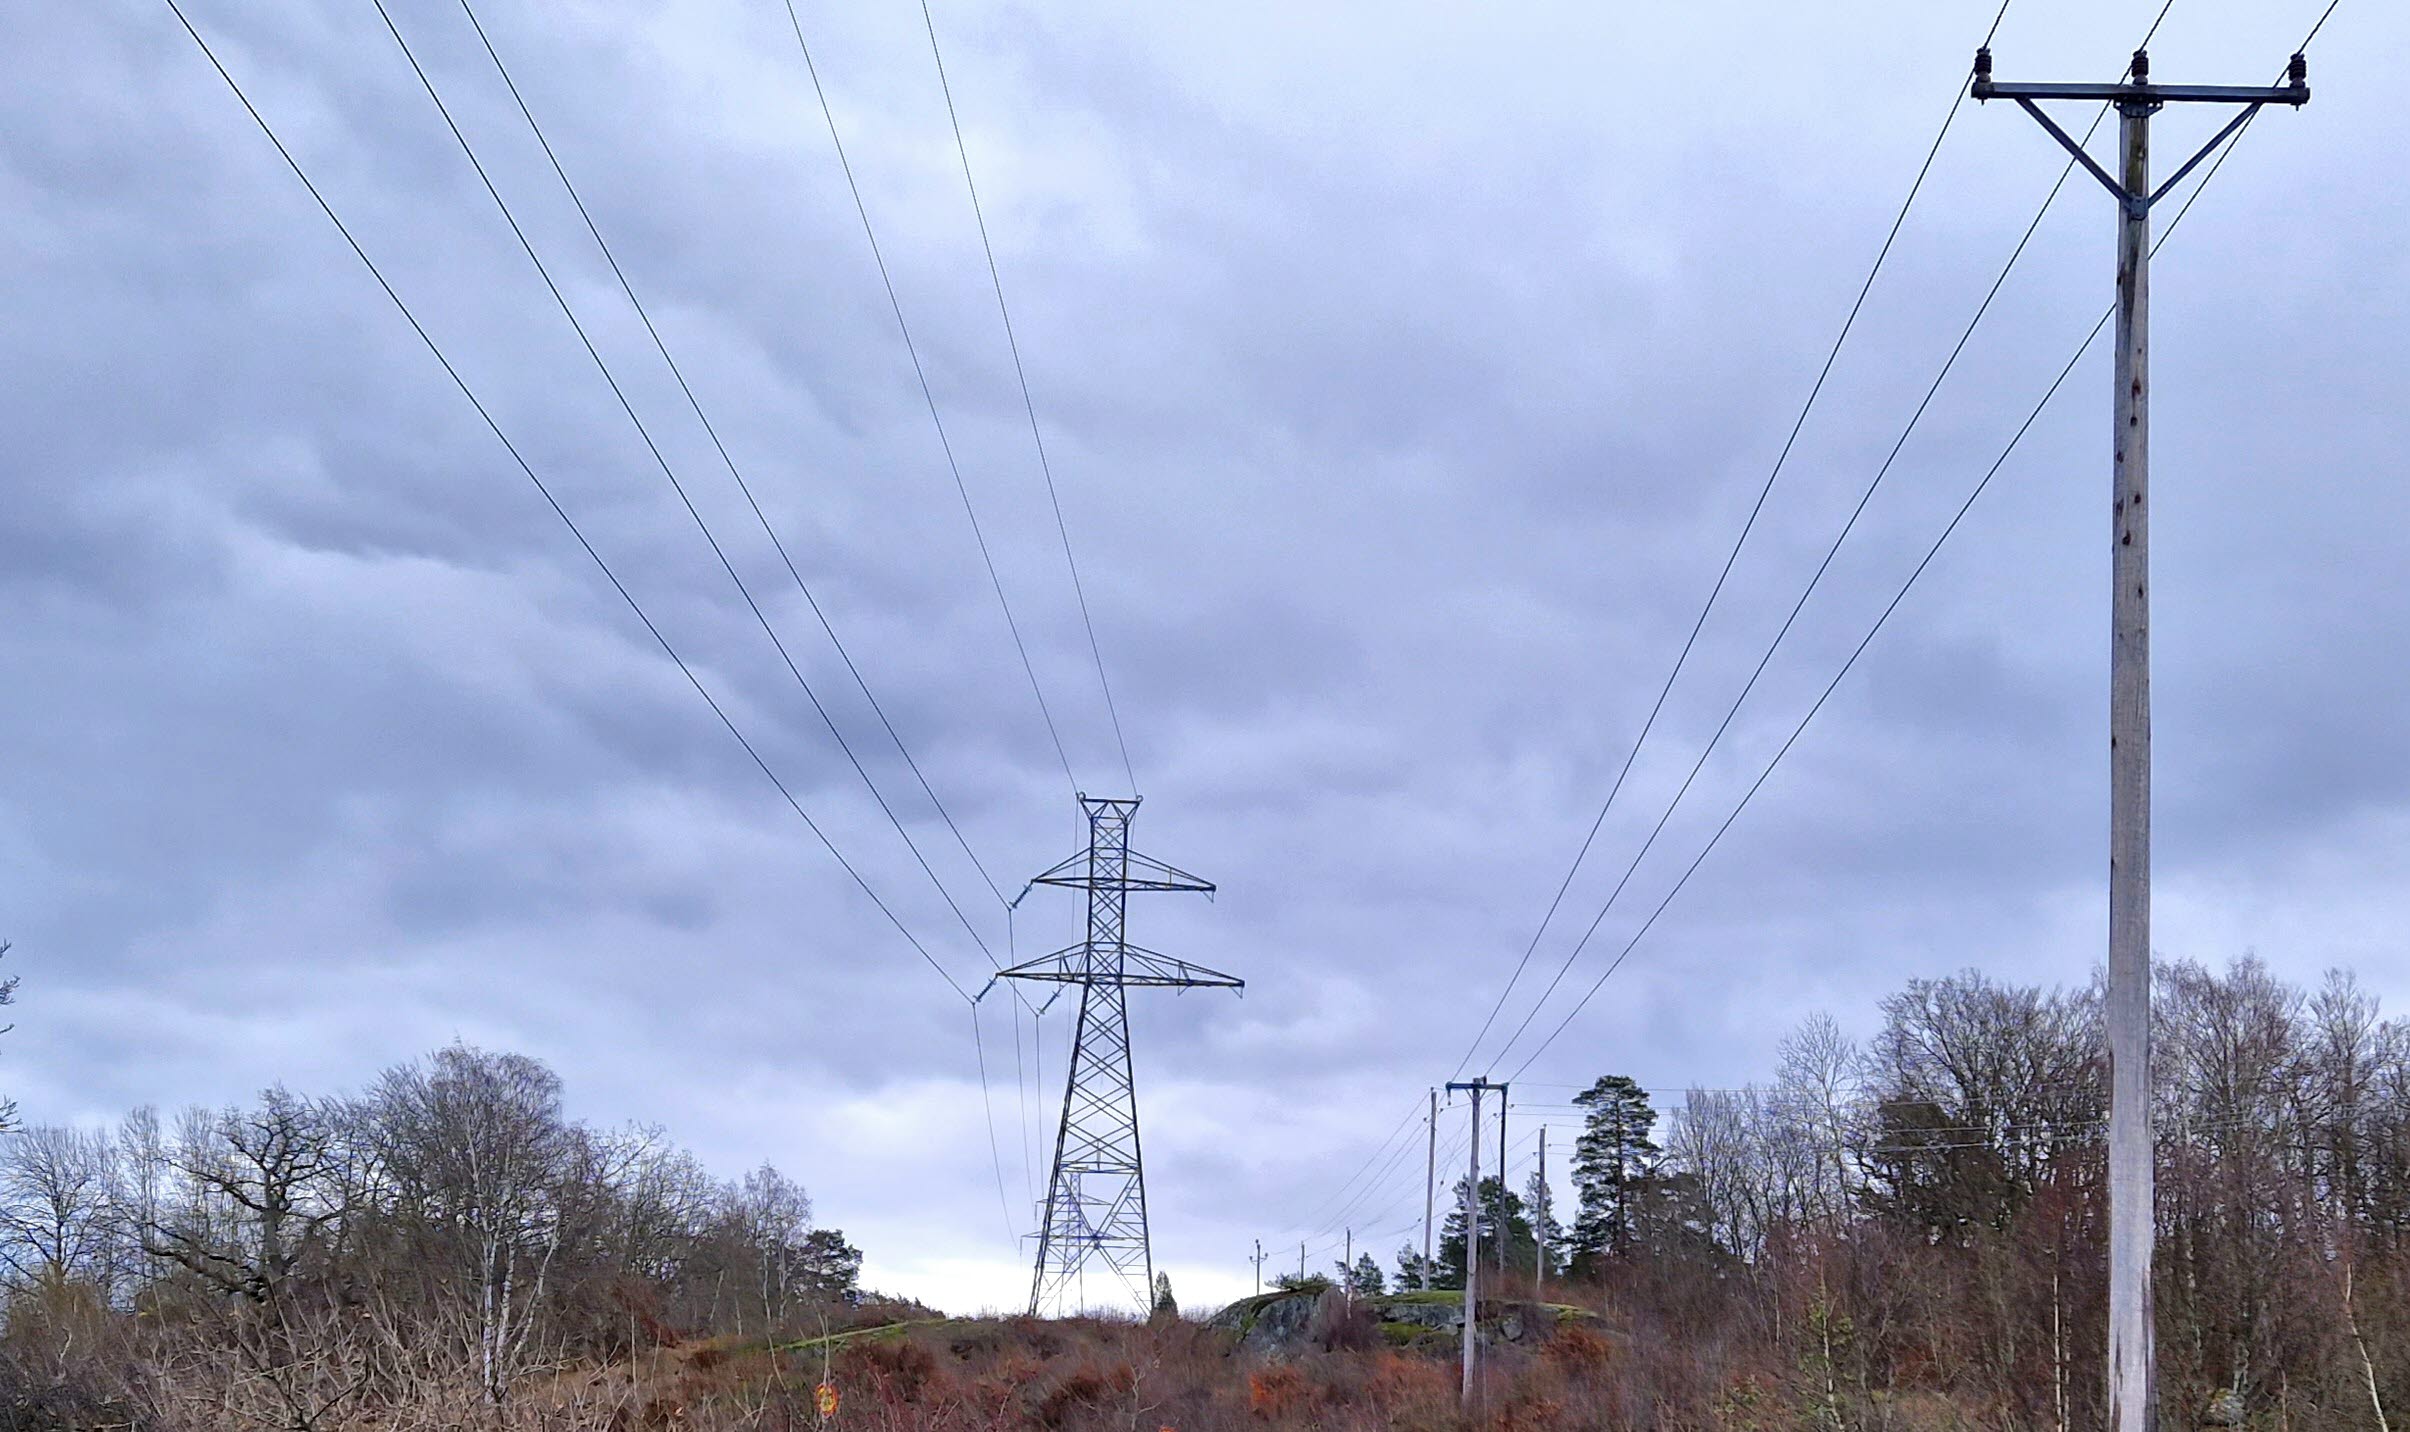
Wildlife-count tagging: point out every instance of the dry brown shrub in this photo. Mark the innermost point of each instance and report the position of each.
(1084, 1387)
(1276, 1392)
(899, 1369)
(1576, 1345)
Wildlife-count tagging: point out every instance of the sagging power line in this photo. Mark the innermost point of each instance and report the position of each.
(544, 490)
(1815, 580)
(920, 373)
(1731, 557)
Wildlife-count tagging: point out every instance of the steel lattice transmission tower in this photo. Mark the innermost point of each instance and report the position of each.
(1096, 1195)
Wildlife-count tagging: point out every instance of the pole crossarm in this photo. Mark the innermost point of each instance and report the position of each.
(2138, 96)
(2153, 95)
(1140, 969)
(1144, 873)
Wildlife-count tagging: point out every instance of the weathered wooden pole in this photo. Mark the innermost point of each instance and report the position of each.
(2132, 1173)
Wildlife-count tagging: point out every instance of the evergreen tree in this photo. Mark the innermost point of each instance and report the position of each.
(1414, 1272)
(831, 1267)
(1364, 1279)
(1615, 1164)
(1501, 1217)
(1166, 1306)
(1540, 1200)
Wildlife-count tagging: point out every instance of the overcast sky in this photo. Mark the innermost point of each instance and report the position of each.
(1406, 372)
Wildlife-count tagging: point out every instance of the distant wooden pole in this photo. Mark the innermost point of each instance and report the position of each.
(1430, 1184)
(1472, 1243)
(2132, 1398)
(1502, 1239)
(1539, 1226)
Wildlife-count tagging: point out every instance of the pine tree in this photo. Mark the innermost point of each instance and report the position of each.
(1414, 1272)
(1166, 1306)
(1615, 1163)
(1501, 1217)
(1540, 1200)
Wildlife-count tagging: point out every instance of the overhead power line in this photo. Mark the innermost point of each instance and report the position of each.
(728, 460)
(1815, 579)
(1731, 557)
(712, 431)
(1405, 1122)
(677, 485)
(1028, 405)
(920, 373)
(1880, 621)
(545, 491)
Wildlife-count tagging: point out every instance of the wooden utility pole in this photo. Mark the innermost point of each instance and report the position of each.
(1472, 1246)
(1539, 1226)
(1259, 1267)
(2132, 1391)
(2133, 1164)
(1502, 1239)
(1430, 1187)
(1472, 1232)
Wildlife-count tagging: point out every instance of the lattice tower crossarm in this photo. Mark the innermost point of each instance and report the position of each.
(1096, 1193)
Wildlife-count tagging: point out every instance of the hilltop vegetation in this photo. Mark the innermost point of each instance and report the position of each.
(1901, 1236)
(416, 1255)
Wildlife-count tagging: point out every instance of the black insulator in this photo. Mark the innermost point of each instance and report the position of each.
(1983, 63)
(2142, 67)
(2298, 70)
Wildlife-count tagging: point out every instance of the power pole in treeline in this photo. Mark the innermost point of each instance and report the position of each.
(1503, 1240)
(1260, 1255)
(1539, 1226)
(2132, 1390)
(1472, 1228)
(1430, 1184)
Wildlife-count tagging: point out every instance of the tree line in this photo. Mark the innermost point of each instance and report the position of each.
(1924, 1211)
(302, 1262)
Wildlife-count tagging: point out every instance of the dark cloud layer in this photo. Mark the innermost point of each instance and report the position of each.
(1405, 373)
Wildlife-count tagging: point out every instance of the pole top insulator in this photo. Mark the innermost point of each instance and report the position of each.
(2297, 71)
(2142, 67)
(1983, 63)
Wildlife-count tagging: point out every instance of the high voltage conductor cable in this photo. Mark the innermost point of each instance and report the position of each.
(1028, 405)
(944, 442)
(2211, 173)
(545, 491)
(1860, 650)
(728, 460)
(711, 431)
(995, 1155)
(1748, 525)
(667, 471)
(1816, 579)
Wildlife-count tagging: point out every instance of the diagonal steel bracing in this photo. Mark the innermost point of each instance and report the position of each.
(1096, 1194)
